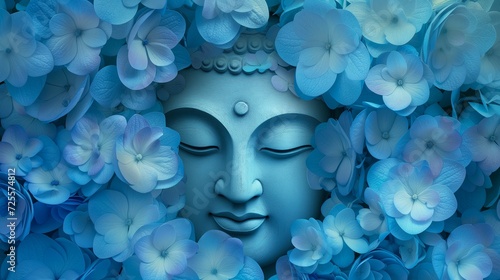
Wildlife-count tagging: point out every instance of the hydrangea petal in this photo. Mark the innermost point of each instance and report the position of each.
(398, 100)
(376, 83)
(63, 48)
(403, 202)
(411, 226)
(397, 65)
(130, 77)
(288, 45)
(314, 86)
(358, 63)
(415, 70)
(160, 55)
(26, 94)
(400, 33)
(344, 171)
(305, 28)
(137, 55)
(419, 92)
(94, 37)
(256, 17)
(62, 24)
(18, 71)
(175, 263)
(219, 30)
(107, 201)
(104, 175)
(76, 155)
(145, 250)
(420, 212)
(166, 74)
(113, 11)
(154, 4)
(475, 266)
(106, 87)
(447, 204)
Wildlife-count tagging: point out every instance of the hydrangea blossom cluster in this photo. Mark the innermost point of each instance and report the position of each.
(331, 60)
(410, 165)
(390, 23)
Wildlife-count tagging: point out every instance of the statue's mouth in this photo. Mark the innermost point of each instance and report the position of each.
(239, 223)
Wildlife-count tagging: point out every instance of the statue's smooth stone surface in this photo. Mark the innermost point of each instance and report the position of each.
(244, 147)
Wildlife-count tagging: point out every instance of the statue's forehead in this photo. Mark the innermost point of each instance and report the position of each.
(240, 99)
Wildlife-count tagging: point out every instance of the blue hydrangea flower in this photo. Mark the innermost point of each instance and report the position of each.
(323, 54)
(32, 126)
(51, 186)
(412, 195)
(220, 257)
(402, 79)
(472, 193)
(482, 139)
(41, 11)
(486, 103)
(174, 199)
(21, 54)
(50, 217)
(147, 156)
(108, 91)
(412, 251)
(250, 270)
(79, 226)
(379, 264)
(19, 151)
(78, 36)
(117, 214)
(48, 258)
(122, 11)
(434, 139)
(333, 156)
(92, 147)
(311, 247)
(103, 269)
(61, 93)
(23, 209)
(227, 17)
(490, 70)
(344, 235)
(284, 269)
(393, 22)
(148, 54)
(166, 251)
(372, 220)
(284, 80)
(114, 92)
(464, 254)
(383, 130)
(455, 42)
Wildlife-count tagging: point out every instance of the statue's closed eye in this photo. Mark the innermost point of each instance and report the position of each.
(284, 153)
(198, 150)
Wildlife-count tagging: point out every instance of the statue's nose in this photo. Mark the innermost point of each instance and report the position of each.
(243, 184)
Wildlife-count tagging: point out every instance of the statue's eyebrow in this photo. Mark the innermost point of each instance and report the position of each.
(216, 127)
(272, 131)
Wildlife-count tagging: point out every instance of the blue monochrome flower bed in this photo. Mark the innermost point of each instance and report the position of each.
(91, 178)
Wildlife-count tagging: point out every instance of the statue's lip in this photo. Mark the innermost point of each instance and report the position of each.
(239, 223)
(239, 218)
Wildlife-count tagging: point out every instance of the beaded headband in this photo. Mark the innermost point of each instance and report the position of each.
(249, 54)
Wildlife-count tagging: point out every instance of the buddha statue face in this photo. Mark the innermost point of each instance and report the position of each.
(244, 146)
